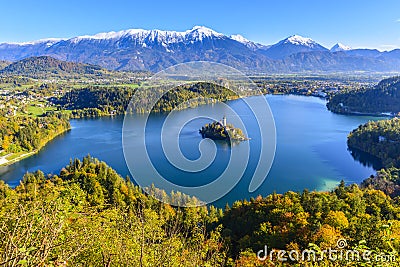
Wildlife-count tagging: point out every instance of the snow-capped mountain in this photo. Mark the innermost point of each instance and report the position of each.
(131, 37)
(239, 38)
(16, 51)
(293, 45)
(149, 37)
(340, 47)
(48, 42)
(154, 50)
(300, 41)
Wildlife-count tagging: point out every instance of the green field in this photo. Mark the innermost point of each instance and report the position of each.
(34, 109)
(15, 155)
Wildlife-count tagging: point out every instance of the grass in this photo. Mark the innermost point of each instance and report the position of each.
(34, 110)
(81, 86)
(130, 85)
(15, 155)
(22, 86)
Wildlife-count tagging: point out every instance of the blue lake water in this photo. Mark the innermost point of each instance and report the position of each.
(311, 150)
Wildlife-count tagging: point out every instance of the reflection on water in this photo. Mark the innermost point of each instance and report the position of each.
(365, 159)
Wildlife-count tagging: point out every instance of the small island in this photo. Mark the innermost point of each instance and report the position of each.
(222, 131)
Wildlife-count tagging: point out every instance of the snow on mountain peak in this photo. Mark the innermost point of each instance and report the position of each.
(47, 41)
(203, 29)
(108, 35)
(340, 47)
(300, 40)
(239, 38)
(196, 33)
(199, 32)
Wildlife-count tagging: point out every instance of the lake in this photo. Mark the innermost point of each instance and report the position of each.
(311, 149)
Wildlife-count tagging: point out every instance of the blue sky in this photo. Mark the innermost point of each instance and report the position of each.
(372, 24)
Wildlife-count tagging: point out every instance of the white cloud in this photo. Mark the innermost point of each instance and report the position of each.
(388, 47)
(398, 20)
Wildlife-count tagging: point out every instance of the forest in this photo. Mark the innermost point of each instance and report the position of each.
(380, 139)
(94, 101)
(24, 133)
(101, 101)
(387, 180)
(382, 98)
(88, 215)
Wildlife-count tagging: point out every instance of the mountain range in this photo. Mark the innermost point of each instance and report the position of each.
(154, 50)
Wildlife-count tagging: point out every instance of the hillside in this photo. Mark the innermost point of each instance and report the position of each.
(380, 139)
(4, 64)
(88, 215)
(383, 98)
(386, 180)
(96, 101)
(45, 66)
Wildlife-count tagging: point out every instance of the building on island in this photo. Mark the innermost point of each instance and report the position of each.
(220, 130)
(223, 122)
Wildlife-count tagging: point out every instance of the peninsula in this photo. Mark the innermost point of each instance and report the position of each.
(222, 131)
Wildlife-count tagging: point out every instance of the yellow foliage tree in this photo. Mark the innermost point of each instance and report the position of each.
(337, 219)
(6, 142)
(327, 236)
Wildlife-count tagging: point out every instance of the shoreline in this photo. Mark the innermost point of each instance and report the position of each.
(357, 113)
(34, 160)
(4, 162)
